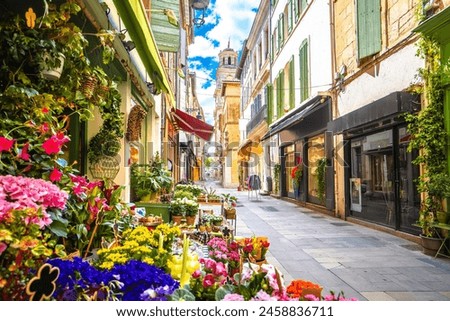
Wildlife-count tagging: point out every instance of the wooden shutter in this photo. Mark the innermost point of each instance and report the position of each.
(304, 71)
(304, 4)
(290, 12)
(291, 84)
(368, 27)
(269, 102)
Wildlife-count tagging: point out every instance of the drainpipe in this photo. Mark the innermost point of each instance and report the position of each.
(334, 111)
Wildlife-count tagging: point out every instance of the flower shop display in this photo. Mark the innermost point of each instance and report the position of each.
(149, 246)
(27, 206)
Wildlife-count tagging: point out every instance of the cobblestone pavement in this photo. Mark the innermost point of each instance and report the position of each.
(362, 262)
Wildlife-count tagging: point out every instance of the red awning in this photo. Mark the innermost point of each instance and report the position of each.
(192, 125)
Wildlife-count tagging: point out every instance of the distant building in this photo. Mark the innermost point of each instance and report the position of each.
(227, 115)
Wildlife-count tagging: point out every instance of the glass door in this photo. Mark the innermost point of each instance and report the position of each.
(289, 165)
(373, 175)
(316, 152)
(382, 182)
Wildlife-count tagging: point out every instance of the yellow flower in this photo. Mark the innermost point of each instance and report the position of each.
(5, 235)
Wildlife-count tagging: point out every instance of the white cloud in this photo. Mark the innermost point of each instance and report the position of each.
(203, 47)
(235, 18)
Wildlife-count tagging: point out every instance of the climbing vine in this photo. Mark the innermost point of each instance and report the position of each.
(428, 133)
(320, 171)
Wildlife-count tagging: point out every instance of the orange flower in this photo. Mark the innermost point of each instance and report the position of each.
(295, 288)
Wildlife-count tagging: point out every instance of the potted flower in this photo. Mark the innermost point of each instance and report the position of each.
(229, 206)
(191, 210)
(296, 175)
(176, 211)
(150, 180)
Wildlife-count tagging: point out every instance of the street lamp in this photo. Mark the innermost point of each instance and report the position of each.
(199, 5)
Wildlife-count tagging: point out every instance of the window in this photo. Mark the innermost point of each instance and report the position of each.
(304, 71)
(229, 60)
(368, 24)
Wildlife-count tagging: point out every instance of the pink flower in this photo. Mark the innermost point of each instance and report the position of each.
(220, 269)
(53, 144)
(197, 274)
(24, 152)
(233, 297)
(55, 175)
(263, 296)
(6, 144)
(312, 297)
(208, 281)
(44, 128)
(3, 247)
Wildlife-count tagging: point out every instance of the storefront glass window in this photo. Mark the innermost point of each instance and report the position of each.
(316, 151)
(289, 164)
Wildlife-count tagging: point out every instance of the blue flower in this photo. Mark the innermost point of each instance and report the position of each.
(139, 281)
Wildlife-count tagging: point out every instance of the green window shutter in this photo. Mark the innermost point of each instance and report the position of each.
(280, 31)
(296, 10)
(281, 91)
(278, 95)
(291, 13)
(368, 27)
(291, 84)
(303, 5)
(269, 103)
(304, 71)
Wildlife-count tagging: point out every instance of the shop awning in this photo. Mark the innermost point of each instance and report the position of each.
(437, 26)
(294, 118)
(190, 124)
(134, 17)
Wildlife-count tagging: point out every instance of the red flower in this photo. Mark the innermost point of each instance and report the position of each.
(55, 175)
(51, 146)
(6, 144)
(24, 152)
(45, 110)
(208, 280)
(44, 128)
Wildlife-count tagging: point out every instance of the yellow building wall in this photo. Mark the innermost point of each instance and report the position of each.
(397, 20)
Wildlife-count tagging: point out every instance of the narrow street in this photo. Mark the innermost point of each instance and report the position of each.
(341, 256)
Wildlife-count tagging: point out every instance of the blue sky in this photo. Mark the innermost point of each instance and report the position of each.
(225, 20)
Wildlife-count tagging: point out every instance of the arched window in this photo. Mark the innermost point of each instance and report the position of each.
(229, 60)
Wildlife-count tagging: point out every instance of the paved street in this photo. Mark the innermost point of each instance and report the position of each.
(340, 255)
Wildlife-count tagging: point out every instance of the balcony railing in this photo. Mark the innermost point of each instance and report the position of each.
(257, 119)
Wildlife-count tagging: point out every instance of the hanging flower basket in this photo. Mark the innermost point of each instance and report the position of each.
(106, 167)
(55, 72)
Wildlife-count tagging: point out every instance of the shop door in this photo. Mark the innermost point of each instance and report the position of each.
(289, 163)
(373, 178)
(382, 180)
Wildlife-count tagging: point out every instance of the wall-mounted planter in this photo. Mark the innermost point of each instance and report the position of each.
(53, 73)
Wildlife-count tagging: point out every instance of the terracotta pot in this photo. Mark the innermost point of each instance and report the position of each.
(230, 214)
(176, 219)
(317, 292)
(430, 244)
(190, 220)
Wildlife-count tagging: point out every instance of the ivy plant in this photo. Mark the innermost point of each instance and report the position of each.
(429, 136)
